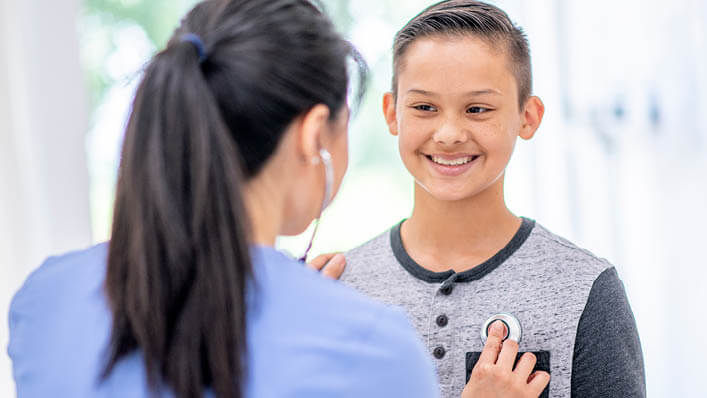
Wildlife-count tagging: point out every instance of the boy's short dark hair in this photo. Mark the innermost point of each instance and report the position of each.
(476, 18)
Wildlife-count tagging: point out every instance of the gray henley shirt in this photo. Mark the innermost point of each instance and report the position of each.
(571, 305)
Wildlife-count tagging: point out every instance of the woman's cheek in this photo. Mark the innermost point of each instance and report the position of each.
(341, 162)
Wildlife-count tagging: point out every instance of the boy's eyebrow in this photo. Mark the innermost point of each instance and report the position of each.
(467, 94)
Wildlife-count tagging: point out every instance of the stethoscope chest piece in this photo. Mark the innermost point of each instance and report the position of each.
(513, 329)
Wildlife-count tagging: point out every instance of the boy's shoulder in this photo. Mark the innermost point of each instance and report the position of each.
(547, 249)
(372, 263)
(378, 246)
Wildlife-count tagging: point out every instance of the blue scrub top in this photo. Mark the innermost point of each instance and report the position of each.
(308, 336)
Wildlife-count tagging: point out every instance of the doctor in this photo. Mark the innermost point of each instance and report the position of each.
(238, 133)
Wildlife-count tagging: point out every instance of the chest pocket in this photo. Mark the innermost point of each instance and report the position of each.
(543, 363)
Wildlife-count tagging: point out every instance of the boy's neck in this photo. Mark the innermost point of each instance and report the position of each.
(458, 235)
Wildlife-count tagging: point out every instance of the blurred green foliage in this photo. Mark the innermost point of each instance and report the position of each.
(100, 19)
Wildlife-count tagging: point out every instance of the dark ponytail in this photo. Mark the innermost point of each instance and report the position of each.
(178, 265)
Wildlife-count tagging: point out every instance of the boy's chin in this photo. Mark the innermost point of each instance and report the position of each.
(448, 194)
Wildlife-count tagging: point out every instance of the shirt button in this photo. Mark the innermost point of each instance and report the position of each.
(447, 290)
(439, 352)
(442, 320)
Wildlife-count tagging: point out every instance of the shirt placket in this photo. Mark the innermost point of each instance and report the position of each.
(440, 336)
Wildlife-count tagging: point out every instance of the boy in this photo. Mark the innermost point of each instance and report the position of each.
(461, 96)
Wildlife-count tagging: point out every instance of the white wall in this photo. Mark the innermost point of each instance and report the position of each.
(635, 179)
(44, 205)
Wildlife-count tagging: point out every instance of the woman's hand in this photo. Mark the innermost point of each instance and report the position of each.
(331, 265)
(494, 376)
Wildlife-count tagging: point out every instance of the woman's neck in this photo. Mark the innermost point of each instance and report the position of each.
(263, 205)
(459, 235)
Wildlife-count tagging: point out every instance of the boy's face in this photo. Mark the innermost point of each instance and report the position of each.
(457, 115)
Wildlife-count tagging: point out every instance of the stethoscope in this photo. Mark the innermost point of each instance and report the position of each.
(325, 158)
(513, 329)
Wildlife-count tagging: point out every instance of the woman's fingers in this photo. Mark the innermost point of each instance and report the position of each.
(331, 265)
(493, 374)
(335, 267)
(507, 356)
(493, 344)
(525, 365)
(320, 261)
(538, 382)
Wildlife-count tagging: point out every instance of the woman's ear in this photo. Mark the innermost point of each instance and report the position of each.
(391, 118)
(310, 130)
(532, 116)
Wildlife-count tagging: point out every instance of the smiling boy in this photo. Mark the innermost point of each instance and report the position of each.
(461, 97)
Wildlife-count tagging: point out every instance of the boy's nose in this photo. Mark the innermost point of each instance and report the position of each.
(450, 133)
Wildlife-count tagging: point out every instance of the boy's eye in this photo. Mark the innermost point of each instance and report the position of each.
(477, 109)
(425, 108)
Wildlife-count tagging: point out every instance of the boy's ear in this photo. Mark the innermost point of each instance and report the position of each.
(532, 116)
(391, 117)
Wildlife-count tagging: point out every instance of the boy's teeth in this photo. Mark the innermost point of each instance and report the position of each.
(454, 162)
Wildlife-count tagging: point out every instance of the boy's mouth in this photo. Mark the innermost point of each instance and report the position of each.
(452, 161)
(452, 165)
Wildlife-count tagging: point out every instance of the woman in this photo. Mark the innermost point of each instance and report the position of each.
(238, 133)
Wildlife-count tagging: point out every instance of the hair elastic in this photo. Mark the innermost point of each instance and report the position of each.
(198, 44)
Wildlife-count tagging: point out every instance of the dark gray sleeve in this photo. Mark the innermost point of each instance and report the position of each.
(607, 361)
